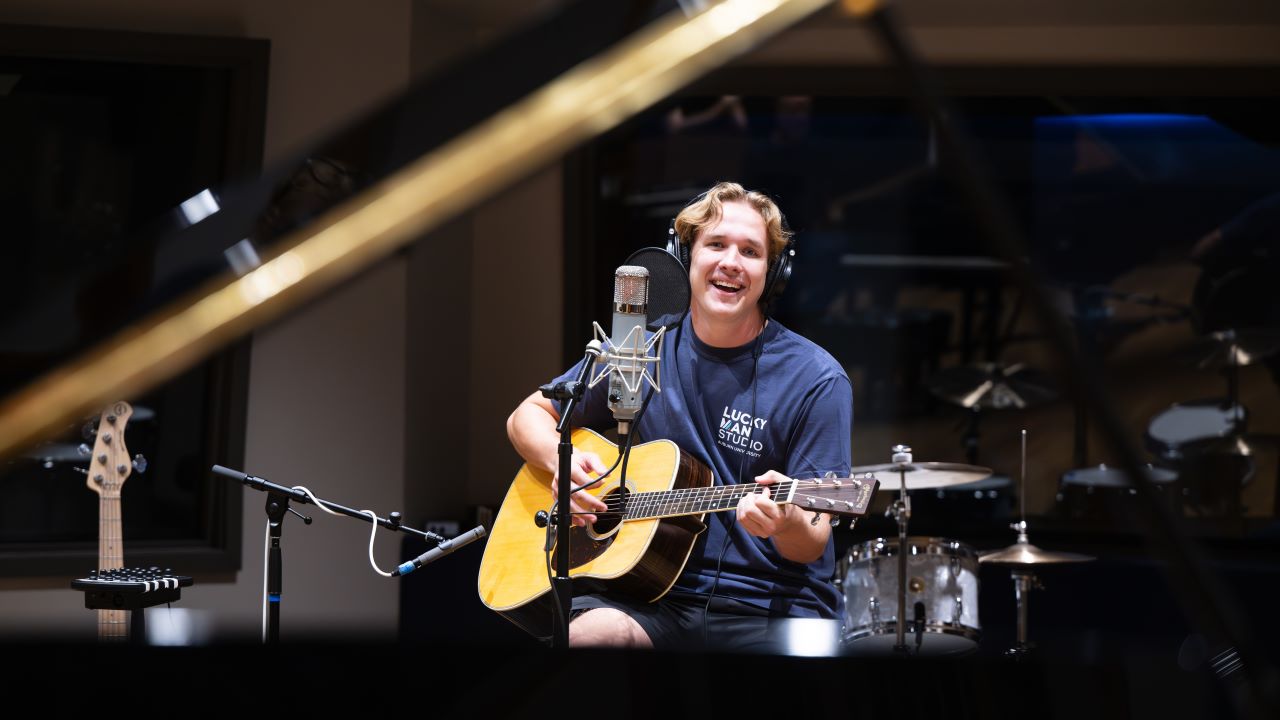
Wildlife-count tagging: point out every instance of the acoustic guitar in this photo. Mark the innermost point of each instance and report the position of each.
(639, 546)
(109, 467)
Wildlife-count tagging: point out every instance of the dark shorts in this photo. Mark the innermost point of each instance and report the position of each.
(683, 621)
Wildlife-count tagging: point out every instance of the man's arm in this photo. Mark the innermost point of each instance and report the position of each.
(532, 431)
(824, 436)
(795, 536)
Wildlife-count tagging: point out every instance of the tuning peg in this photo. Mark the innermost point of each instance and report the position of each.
(84, 450)
(139, 463)
(835, 521)
(89, 431)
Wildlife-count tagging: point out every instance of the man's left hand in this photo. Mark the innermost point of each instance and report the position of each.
(758, 513)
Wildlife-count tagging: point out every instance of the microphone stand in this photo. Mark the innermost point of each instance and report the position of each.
(568, 393)
(278, 497)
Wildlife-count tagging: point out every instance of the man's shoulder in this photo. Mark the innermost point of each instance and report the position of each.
(802, 353)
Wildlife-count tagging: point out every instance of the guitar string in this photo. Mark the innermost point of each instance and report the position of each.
(619, 505)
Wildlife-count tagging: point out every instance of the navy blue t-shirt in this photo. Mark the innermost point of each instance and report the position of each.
(794, 416)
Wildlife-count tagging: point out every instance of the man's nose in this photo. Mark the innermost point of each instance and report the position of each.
(730, 258)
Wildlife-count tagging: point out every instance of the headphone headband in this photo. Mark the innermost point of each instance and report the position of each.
(779, 268)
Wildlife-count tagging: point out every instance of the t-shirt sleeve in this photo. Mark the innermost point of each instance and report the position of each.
(822, 441)
(592, 410)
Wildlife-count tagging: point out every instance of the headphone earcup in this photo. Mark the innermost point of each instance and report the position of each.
(677, 248)
(776, 281)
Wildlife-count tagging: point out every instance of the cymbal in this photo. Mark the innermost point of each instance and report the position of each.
(1023, 553)
(993, 386)
(57, 452)
(1242, 346)
(924, 475)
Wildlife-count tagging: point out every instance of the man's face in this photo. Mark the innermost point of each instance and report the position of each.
(728, 264)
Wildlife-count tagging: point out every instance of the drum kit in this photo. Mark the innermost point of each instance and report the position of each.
(924, 600)
(1203, 454)
(936, 578)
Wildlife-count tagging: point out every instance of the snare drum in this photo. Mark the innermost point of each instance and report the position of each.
(942, 577)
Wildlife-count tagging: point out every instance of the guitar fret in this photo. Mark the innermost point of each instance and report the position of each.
(716, 498)
(694, 501)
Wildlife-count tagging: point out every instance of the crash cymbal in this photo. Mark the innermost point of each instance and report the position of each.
(993, 386)
(1024, 553)
(924, 475)
(1238, 347)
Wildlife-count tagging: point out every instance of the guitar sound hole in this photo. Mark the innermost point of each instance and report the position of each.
(606, 523)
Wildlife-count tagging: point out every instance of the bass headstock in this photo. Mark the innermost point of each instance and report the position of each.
(109, 462)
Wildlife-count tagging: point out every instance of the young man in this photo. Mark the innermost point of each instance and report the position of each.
(755, 403)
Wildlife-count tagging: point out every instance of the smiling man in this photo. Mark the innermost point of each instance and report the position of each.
(754, 402)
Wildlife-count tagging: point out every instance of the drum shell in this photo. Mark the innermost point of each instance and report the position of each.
(1101, 492)
(956, 509)
(942, 575)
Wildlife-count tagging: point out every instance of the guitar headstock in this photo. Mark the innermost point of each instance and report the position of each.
(109, 464)
(836, 495)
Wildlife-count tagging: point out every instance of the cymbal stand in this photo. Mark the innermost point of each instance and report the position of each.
(1233, 379)
(901, 510)
(1024, 581)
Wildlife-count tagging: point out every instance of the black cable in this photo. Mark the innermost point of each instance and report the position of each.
(624, 453)
(728, 530)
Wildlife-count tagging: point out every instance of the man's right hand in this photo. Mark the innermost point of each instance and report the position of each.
(583, 465)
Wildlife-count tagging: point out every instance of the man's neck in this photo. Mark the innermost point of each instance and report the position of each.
(727, 335)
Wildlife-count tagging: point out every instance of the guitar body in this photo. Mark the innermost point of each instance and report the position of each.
(642, 559)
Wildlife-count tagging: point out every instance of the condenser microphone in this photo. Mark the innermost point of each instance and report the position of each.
(630, 314)
(440, 551)
(627, 356)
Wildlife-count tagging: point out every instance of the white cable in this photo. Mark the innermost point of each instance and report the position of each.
(373, 532)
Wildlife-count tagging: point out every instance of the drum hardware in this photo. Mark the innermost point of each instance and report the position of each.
(901, 510)
(1024, 557)
(915, 476)
(941, 612)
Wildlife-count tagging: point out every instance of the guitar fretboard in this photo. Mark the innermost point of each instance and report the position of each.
(839, 496)
(695, 501)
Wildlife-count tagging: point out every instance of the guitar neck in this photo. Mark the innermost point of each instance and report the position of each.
(109, 467)
(113, 625)
(110, 540)
(840, 496)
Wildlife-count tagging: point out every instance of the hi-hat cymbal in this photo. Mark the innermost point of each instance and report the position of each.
(993, 386)
(924, 475)
(1239, 347)
(1023, 553)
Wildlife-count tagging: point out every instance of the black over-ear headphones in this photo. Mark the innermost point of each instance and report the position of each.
(779, 269)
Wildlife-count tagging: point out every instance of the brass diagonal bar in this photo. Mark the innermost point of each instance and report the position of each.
(584, 102)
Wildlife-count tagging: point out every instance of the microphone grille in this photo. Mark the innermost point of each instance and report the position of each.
(631, 285)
